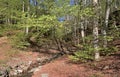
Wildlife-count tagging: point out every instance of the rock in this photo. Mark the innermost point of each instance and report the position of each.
(106, 67)
(30, 62)
(35, 69)
(44, 75)
(38, 59)
(6, 73)
(14, 73)
(1, 73)
(20, 70)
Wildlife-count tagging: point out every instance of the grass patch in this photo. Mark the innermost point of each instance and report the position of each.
(8, 55)
(12, 53)
(97, 75)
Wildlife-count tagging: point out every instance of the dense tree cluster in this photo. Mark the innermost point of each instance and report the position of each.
(84, 26)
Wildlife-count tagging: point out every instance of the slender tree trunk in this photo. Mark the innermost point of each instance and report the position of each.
(8, 21)
(95, 30)
(106, 22)
(83, 24)
(85, 2)
(75, 33)
(95, 34)
(58, 42)
(82, 32)
(27, 30)
(78, 34)
(27, 27)
(23, 7)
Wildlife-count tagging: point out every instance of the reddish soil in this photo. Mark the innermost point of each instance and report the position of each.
(109, 66)
(3, 48)
(12, 57)
(62, 67)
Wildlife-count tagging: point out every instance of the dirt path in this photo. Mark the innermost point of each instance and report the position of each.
(61, 67)
(4, 48)
(10, 57)
(14, 58)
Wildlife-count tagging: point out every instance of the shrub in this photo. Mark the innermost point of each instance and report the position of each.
(20, 41)
(86, 54)
(108, 50)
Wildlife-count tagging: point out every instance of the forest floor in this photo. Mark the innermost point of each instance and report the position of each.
(12, 57)
(109, 66)
(62, 67)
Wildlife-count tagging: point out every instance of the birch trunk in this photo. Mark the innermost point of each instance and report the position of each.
(95, 30)
(27, 28)
(23, 7)
(75, 33)
(82, 32)
(106, 22)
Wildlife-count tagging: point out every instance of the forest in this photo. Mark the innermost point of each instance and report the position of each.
(83, 32)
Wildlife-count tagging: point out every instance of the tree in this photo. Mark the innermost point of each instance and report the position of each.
(107, 13)
(69, 22)
(95, 29)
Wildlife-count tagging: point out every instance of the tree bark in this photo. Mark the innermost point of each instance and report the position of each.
(75, 33)
(27, 28)
(82, 32)
(106, 22)
(23, 7)
(95, 30)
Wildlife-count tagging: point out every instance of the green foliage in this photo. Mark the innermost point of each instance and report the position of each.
(109, 38)
(86, 12)
(1, 32)
(108, 50)
(42, 20)
(61, 8)
(84, 55)
(59, 31)
(12, 53)
(96, 75)
(8, 30)
(114, 31)
(46, 21)
(87, 53)
(20, 41)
